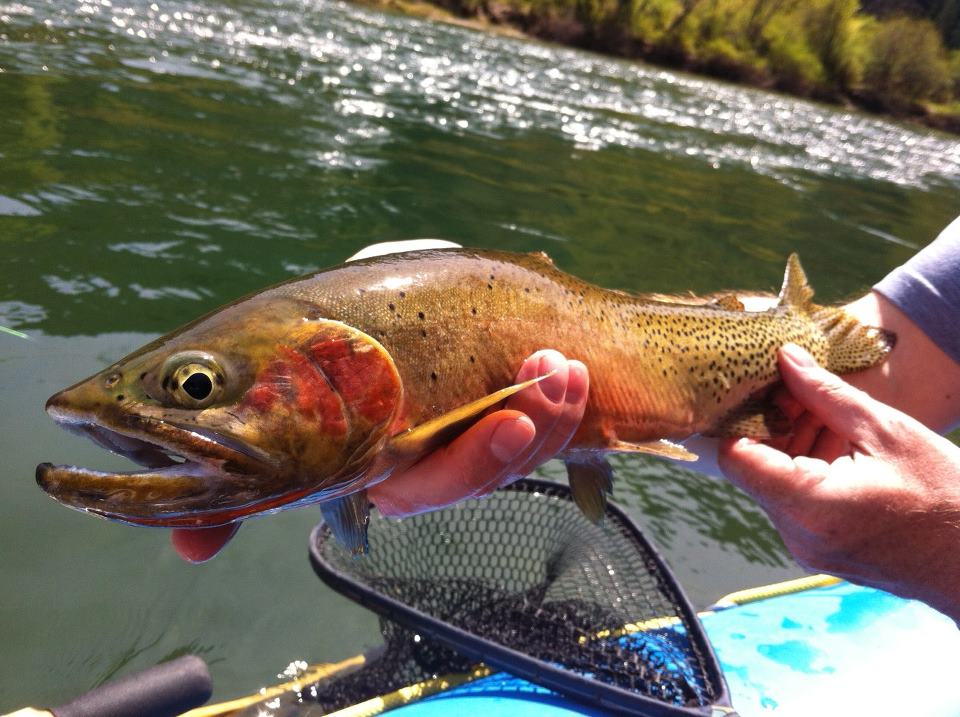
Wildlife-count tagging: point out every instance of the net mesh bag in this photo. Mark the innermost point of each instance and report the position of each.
(522, 581)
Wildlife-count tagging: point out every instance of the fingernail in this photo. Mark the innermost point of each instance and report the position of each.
(554, 387)
(798, 356)
(511, 437)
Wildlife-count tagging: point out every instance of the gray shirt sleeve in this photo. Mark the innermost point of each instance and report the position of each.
(927, 289)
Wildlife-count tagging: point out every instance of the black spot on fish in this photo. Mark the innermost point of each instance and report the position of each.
(433, 375)
(403, 295)
(120, 397)
(420, 315)
(143, 375)
(472, 360)
(423, 333)
(392, 307)
(473, 310)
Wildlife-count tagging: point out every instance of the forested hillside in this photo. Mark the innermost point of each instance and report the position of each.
(891, 56)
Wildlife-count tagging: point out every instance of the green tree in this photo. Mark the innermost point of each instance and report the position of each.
(831, 28)
(907, 64)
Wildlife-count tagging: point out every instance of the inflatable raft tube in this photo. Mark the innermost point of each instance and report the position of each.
(812, 646)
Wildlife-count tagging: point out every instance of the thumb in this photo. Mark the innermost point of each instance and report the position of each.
(760, 470)
(847, 411)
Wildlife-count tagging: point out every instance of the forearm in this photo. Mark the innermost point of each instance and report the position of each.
(918, 378)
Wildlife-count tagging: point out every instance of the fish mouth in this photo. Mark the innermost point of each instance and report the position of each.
(194, 477)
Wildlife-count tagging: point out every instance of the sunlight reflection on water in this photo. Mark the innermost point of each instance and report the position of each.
(370, 68)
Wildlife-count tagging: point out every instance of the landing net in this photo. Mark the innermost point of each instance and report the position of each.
(523, 582)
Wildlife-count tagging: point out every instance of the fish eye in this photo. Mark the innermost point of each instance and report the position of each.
(199, 385)
(193, 381)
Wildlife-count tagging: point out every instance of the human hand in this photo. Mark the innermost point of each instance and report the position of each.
(535, 425)
(901, 381)
(875, 499)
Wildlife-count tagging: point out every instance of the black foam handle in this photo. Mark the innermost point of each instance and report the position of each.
(162, 691)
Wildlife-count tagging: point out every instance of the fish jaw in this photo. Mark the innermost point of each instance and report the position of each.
(194, 477)
(126, 497)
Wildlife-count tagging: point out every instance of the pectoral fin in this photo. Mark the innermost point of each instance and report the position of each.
(662, 448)
(348, 517)
(422, 439)
(755, 418)
(591, 479)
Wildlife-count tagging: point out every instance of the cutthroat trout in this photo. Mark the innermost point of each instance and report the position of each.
(314, 389)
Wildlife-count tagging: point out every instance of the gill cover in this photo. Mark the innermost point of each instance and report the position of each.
(327, 395)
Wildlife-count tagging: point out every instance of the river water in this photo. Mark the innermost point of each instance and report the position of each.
(158, 159)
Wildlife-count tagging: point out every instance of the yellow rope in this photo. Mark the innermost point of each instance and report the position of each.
(788, 587)
(311, 675)
(411, 693)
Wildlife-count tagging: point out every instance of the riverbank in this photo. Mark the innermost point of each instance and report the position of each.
(439, 13)
(826, 50)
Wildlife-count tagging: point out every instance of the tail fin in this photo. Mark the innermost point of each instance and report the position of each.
(851, 346)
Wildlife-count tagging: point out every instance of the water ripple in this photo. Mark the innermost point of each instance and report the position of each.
(357, 71)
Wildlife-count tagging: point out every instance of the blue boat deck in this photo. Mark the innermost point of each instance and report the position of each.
(833, 650)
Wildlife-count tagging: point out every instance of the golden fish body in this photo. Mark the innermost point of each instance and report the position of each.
(459, 323)
(313, 389)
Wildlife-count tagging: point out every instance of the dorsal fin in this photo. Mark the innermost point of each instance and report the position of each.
(796, 292)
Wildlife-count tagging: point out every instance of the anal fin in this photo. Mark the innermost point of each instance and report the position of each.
(662, 448)
(432, 434)
(348, 517)
(755, 418)
(591, 479)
